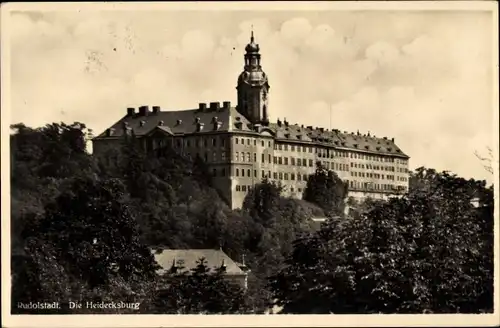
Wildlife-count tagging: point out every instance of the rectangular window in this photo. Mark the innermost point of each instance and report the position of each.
(286, 147)
(292, 161)
(214, 172)
(243, 188)
(249, 174)
(248, 157)
(237, 172)
(214, 156)
(281, 176)
(269, 158)
(263, 174)
(275, 175)
(299, 177)
(304, 177)
(299, 148)
(223, 172)
(310, 149)
(255, 142)
(275, 160)
(293, 147)
(286, 160)
(280, 147)
(286, 176)
(280, 160)
(254, 157)
(255, 173)
(238, 186)
(310, 163)
(214, 142)
(248, 142)
(292, 176)
(262, 143)
(223, 142)
(262, 158)
(243, 172)
(298, 162)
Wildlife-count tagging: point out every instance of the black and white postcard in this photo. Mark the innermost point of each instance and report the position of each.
(249, 164)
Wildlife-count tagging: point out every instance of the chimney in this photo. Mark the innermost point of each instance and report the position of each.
(143, 110)
(285, 121)
(202, 107)
(214, 106)
(279, 122)
(309, 127)
(130, 111)
(392, 139)
(302, 126)
(385, 138)
(226, 104)
(322, 129)
(156, 109)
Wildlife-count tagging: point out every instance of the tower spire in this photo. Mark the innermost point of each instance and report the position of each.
(251, 36)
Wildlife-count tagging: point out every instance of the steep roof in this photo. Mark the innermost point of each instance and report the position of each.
(188, 257)
(182, 122)
(336, 138)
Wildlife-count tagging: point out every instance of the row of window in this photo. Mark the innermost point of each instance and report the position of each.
(202, 142)
(241, 141)
(322, 152)
(246, 188)
(303, 149)
(375, 186)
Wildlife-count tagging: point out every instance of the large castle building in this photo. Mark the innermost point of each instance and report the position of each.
(241, 146)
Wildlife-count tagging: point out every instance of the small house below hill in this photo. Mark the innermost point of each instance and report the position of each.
(215, 258)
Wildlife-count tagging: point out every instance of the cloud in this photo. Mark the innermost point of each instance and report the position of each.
(389, 74)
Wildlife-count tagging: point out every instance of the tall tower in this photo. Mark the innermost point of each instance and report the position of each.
(253, 87)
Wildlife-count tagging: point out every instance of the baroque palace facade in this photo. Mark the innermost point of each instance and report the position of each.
(241, 146)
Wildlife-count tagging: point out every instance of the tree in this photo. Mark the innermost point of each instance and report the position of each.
(262, 202)
(429, 251)
(89, 238)
(325, 189)
(200, 291)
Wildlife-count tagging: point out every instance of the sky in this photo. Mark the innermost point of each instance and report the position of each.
(422, 77)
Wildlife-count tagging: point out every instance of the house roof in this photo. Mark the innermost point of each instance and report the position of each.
(189, 257)
(338, 139)
(180, 122)
(216, 118)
